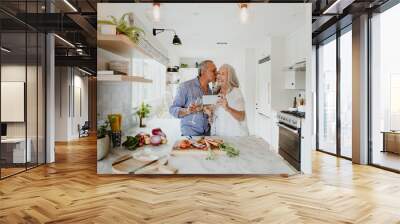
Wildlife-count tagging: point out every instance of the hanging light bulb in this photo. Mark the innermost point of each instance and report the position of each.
(156, 12)
(244, 14)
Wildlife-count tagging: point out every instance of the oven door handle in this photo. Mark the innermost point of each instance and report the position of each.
(289, 129)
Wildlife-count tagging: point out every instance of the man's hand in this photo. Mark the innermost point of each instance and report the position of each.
(193, 108)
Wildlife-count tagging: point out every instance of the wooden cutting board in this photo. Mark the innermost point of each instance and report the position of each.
(127, 164)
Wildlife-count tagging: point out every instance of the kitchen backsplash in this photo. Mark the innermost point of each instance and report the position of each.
(109, 101)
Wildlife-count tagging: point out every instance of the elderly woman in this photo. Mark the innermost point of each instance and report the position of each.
(229, 117)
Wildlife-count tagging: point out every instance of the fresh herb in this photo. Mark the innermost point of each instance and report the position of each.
(211, 154)
(103, 130)
(122, 26)
(230, 150)
(131, 142)
(144, 110)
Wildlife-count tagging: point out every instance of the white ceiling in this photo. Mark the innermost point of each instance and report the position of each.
(200, 26)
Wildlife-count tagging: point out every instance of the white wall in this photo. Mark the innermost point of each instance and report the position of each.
(33, 126)
(17, 73)
(79, 117)
(249, 89)
(308, 136)
(62, 81)
(66, 86)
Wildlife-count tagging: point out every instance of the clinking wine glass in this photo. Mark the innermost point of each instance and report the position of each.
(199, 106)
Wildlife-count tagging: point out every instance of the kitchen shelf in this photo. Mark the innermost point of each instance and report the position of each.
(123, 78)
(118, 44)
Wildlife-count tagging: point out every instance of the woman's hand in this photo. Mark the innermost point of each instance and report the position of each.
(209, 110)
(238, 115)
(223, 102)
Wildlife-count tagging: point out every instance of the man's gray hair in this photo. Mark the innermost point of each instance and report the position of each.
(233, 80)
(203, 65)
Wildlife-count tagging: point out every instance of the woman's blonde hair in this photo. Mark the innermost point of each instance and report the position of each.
(233, 80)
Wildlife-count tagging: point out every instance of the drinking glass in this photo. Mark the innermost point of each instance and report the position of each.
(198, 103)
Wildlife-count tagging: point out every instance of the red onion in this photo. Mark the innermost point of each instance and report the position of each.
(158, 131)
(155, 140)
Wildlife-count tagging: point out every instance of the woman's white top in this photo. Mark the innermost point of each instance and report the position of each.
(224, 124)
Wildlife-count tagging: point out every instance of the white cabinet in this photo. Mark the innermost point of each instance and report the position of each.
(295, 79)
(263, 86)
(188, 74)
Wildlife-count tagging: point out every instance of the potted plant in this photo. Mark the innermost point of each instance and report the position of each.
(123, 27)
(143, 112)
(103, 140)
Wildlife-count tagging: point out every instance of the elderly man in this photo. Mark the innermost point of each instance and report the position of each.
(194, 121)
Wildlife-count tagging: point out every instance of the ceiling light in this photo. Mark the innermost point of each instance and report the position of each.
(5, 50)
(175, 40)
(156, 12)
(64, 40)
(333, 6)
(70, 5)
(244, 14)
(84, 71)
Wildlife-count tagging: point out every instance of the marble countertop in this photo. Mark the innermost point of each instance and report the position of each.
(255, 156)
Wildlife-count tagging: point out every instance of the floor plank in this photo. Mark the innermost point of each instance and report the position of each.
(70, 191)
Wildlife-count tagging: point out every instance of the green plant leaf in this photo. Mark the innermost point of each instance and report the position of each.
(106, 22)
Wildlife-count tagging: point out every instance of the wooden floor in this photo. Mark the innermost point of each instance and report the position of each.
(387, 159)
(70, 191)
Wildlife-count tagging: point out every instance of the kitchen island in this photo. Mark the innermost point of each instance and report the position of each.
(255, 156)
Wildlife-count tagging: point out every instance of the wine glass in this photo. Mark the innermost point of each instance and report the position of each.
(215, 117)
(198, 103)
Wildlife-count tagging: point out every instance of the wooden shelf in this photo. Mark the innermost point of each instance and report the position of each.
(123, 78)
(118, 44)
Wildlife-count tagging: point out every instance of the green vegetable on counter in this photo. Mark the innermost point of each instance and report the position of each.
(131, 142)
(211, 155)
(230, 150)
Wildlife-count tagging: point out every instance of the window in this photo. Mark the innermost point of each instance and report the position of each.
(152, 93)
(385, 89)
(327, 97)
(22, 66)
(346, 94)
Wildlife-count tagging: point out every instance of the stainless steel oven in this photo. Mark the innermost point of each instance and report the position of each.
(290, 137)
